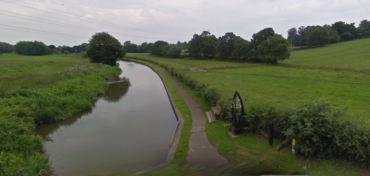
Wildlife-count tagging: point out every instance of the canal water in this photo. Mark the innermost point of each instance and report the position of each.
(129, 128)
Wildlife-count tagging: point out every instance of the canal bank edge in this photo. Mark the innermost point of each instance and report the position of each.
(180, 120)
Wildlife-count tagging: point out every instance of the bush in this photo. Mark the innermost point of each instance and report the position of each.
(263, 113)
(32, 48)
(173, 52)
(66, 52)
(84, 55)
(318, 132)
(55, 51)
(164, 49)
(104, 48)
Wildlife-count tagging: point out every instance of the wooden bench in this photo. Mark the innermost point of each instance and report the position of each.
(216, 110)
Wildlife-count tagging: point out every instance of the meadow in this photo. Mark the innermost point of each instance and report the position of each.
(299, 79)
(42, 89)
(351, 54)
(285, 85)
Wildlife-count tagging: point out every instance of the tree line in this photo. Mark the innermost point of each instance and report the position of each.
(36, 48)
(313, 36)
(6, 47)
(145, 46)
(265, 46)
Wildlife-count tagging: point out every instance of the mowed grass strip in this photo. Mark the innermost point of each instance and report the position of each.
(351, 54)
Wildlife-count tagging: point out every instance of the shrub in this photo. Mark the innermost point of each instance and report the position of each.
(66, 52)
(164, 50)
(84, 55)
(212, 95)
(173, 52)
(313, 125)
(318, 132)
(263, 113)
(55, 51)
(104, 48)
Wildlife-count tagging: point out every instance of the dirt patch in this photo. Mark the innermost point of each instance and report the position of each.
(198, 69)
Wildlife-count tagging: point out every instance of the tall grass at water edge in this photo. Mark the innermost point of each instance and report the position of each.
(38, 94)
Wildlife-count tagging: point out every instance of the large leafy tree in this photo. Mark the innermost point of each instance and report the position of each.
(317, 36)
(203, 45)
(104, 48)
(257, 39)
(242, 49)
(156, 48)
(194, 46)
(273, 50)
(225, 45)
(208, 45)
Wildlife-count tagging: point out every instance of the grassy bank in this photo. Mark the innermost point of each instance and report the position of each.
(42, 89)
(253, 148)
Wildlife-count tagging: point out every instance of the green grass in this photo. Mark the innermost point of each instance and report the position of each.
(283, 85)
(353, 54)
(43, 89)
(287, 85)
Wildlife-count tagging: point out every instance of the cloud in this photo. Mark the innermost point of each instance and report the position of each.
(147, 20)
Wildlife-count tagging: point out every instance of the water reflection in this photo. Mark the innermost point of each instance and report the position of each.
(129, 128)
(117, 90)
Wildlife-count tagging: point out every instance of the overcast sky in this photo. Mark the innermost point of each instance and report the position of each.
(168, 20)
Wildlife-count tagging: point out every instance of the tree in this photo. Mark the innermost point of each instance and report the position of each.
(173, 52)
(276, 49)
(164, 49)
(225, 46)
(104, 48)
(34, 48)
(241, 49)
(130, 47)
(317, 36)
(293, 36)
(342, 27)
(157, 47)
(208, 46)
(6, 47)
(257, 39)
(194, 47)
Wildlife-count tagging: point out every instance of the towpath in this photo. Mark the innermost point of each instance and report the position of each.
(201, 152)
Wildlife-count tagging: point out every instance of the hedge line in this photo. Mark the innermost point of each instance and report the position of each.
(315, 124)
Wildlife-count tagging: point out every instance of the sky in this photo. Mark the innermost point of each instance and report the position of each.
(72, 22)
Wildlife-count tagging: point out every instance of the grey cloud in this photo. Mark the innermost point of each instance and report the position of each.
(171, 20)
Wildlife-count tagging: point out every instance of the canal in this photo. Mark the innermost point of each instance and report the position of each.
(128, 129)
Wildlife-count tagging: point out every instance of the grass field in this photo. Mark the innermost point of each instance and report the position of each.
(345, 88)
(353, 54)
(287, 85)
(35, 90)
